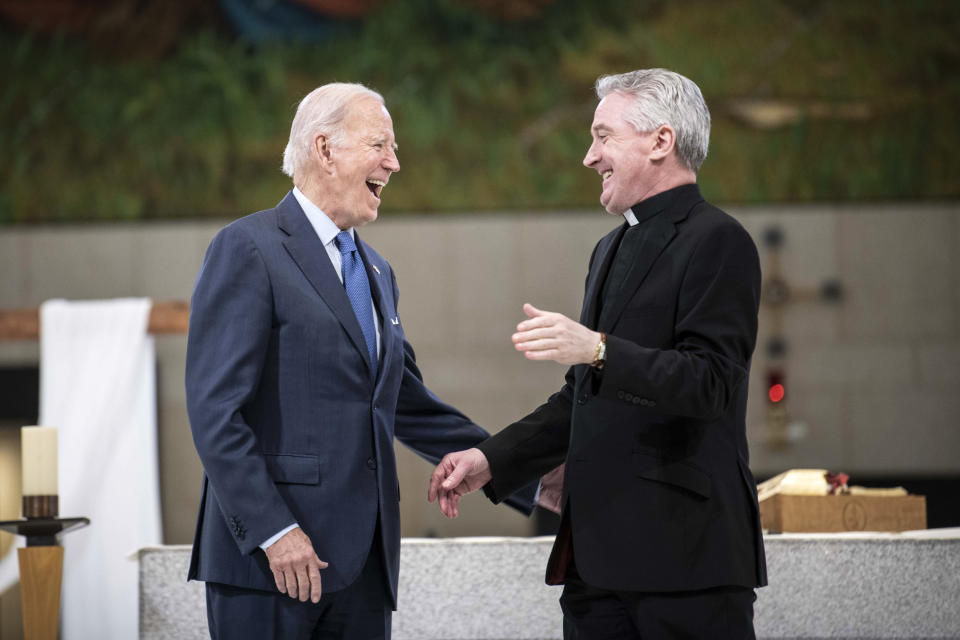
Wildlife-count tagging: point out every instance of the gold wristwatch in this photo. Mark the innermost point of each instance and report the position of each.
(601, 355)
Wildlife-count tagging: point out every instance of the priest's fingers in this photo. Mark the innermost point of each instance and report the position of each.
(456, 474)
(538, 345)
(453, 500)
(532, 311)
(444, 498)
(436, 478)
(537, 323)
(533, 334)
(448, 503)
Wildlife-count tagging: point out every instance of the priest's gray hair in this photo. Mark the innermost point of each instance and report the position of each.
(321, 112)
(665, 97)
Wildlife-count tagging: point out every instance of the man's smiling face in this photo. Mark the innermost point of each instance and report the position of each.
(620, 154)
(362, 164)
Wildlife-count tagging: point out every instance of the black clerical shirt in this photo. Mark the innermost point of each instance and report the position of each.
(633, 239)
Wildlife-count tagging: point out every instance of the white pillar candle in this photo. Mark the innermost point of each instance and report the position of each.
(39, 451)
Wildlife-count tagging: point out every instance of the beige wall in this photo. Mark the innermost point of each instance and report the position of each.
(871, 380)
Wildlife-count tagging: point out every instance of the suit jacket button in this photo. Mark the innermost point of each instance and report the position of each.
(651, 403)
(371, 463)
(620, 394)
(639, 401)
(628, 397)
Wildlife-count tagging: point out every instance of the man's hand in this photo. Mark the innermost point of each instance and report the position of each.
(458, 474)
(554, 336)
(296, 566)
(551, 490)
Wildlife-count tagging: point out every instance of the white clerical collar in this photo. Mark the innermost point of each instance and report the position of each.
(629, 217)
(326, 229)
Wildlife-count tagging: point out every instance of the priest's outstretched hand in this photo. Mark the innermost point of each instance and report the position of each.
(458, 474)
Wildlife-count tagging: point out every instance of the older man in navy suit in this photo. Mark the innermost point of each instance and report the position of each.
(298, 378)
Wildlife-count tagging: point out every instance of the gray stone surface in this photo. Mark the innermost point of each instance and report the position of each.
(864, 585)
(861, 586)
(170, 607)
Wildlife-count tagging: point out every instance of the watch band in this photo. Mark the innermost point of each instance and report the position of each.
(601, 354)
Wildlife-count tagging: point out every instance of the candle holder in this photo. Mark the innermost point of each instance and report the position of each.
(41, 507)
(41, 569)
(43, 532)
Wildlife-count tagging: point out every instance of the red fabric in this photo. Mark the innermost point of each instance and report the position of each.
(838, 482)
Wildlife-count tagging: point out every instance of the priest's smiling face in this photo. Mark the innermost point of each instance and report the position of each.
(621, 155)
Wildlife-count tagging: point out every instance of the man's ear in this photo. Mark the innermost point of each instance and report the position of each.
(323, 152)
(663, 142)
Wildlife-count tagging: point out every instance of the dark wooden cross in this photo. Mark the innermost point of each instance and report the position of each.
(171, 317)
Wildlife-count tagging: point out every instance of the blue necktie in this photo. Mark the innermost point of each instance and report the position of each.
(358, 290)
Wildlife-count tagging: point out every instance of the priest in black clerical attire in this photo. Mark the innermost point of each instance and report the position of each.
(660, 531)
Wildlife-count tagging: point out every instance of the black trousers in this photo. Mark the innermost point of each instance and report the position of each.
(590, 613)
(361, 611)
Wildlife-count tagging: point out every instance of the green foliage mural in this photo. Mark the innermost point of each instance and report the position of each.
(811, 100)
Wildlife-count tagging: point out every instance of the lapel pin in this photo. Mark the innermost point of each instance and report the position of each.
(395, 320)
(378, 273)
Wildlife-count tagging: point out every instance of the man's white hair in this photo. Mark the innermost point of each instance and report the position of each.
(322, 111)
(665, 97)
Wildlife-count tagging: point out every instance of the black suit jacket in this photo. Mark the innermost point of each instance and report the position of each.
(658, 495)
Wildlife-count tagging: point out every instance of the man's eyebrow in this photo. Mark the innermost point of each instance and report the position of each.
(599, 127)
(383, 140)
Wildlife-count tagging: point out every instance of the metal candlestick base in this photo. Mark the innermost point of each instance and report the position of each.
(41, 532)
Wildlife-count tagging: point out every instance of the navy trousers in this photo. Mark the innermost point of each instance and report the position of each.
(361, 611)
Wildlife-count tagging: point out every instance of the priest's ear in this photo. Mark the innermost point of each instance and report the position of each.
(664, 140)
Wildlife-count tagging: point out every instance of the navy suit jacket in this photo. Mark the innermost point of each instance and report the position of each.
(286, 418)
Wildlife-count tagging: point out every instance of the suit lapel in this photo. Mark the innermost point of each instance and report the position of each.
(663, 228)
(309, 254)
(601, 266)
(657, 238)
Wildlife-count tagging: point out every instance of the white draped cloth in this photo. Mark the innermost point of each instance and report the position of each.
(98, 387)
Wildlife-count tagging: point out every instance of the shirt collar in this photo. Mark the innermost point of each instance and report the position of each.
(646, 209)
(326, 229)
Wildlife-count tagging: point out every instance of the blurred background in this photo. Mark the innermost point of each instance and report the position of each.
(132, 130)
